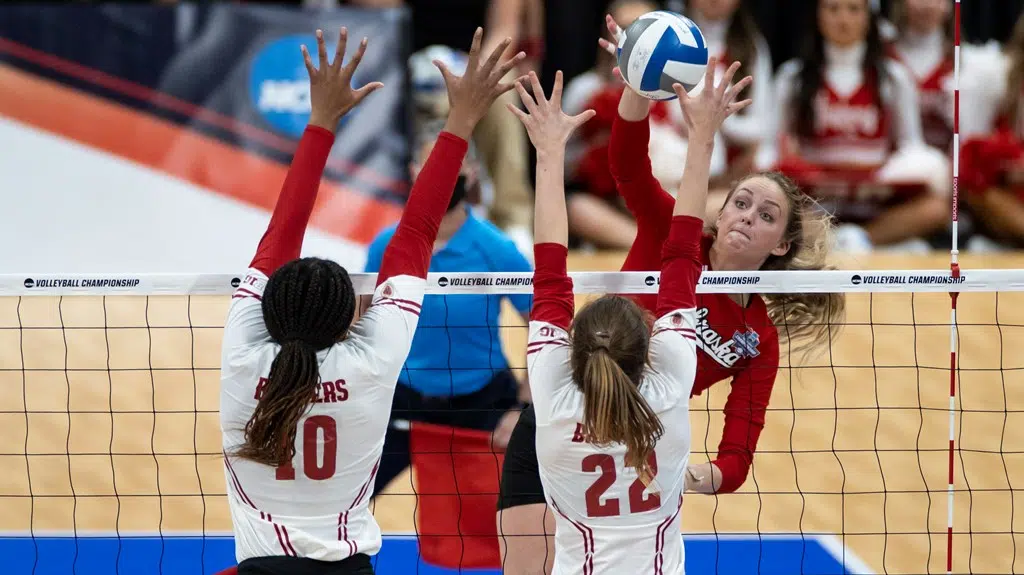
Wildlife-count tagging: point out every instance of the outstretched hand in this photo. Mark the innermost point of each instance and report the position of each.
(612, 47)
(331, 94)
(548, 126)
(473, 93)
(704, 113)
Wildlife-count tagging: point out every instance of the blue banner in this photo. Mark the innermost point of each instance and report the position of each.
(228, 71)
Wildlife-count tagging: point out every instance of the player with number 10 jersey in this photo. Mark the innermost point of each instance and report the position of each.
(305, 393)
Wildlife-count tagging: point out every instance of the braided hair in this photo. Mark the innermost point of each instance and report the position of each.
(308, 305)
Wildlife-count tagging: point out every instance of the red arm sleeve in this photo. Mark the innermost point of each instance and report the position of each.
(282, 242)
(744, 414)
(410, 248)
(630, 163)
(680, 265)
(650, 205)
(552, 288)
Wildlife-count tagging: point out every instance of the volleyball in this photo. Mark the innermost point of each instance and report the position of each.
(660, 49)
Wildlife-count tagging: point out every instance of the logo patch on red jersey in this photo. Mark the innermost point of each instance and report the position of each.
(746, 343)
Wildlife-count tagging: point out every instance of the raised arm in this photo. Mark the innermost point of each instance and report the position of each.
(331, 97)
(703, 115)
(629, 160)
(469, 98)
(549, 129)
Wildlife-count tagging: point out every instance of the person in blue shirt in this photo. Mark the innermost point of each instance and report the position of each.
(456, 373)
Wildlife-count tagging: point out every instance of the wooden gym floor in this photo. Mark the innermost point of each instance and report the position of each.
(113, 430)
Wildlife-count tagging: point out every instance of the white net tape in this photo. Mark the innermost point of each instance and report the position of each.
(838, 281)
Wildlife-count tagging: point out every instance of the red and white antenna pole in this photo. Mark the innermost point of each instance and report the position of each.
(954, 266)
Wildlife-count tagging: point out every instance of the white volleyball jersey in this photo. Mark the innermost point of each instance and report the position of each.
(607, 521)
(318, 506)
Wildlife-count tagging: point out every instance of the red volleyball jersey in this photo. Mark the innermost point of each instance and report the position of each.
(734, 341)
(852, 130)
(936, 100)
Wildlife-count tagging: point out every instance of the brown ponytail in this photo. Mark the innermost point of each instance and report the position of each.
(288, 393)
(615, 412)
(610, 339)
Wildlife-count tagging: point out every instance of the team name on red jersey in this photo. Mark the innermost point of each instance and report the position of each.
(858, 116)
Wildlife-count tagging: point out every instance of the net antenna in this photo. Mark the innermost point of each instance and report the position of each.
(954, 266)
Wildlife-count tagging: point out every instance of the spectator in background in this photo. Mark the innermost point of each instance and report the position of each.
(456, 373)
(924, 44)
(732, 35)
(992, 131)
(499, 137)
(848, 129)
(597, 215)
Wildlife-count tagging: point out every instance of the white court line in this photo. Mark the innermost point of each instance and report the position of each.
(843, 554)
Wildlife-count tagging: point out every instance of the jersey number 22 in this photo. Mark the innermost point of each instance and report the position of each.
(638, 502)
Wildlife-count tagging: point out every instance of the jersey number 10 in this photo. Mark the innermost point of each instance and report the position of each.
(311, 465)
(638, 502)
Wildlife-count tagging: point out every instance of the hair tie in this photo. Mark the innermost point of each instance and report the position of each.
(294, 339)
(603, 339)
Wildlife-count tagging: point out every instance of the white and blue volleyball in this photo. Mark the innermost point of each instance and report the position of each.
(660, 49)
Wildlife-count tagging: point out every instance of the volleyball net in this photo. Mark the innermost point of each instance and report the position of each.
(111, 461)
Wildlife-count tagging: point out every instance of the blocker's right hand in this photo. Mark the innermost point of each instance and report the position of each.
(471, 95)
(330, 87)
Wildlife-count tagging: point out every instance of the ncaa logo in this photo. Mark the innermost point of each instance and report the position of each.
(29, 283)
(856, 280)
(442, 281)
(279, 82)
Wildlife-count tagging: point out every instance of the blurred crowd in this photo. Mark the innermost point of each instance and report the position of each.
(859, 111)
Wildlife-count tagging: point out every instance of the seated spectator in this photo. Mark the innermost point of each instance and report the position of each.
(992, 132)
(430, 104)
(596, 213)
(924, 44)
(456, 374)
(732, 35)
(848, 129)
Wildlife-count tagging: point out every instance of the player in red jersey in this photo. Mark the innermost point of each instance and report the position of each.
(848, 129)
(305, 392)
(610, 395)
(766, 223)
(925, 47)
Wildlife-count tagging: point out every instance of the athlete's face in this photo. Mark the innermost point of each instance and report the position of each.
(753, 221)
(843, 22)
(924, 16)
(716, 10)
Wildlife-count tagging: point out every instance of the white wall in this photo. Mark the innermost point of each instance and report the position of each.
(69, 208)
